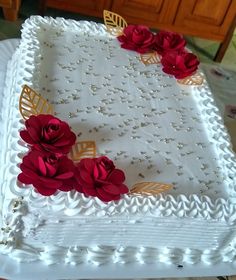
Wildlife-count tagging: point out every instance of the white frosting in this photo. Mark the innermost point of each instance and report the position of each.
(141, 119)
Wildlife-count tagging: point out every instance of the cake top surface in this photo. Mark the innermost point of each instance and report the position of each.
(152, 128)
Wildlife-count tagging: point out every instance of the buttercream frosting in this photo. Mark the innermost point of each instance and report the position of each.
(152, 128)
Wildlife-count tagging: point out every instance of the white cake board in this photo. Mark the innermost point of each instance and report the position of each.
(20, 271)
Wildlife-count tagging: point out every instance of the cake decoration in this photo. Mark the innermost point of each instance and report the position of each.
(166, 42)
(150, 188)
(56, 163)
(137, 38)
(180, 64)
(32, 103)
(114, 23)
(98, 177)
(165, 47)
(47, 172)
(194, 80)
(83, 149)
(48, 133)
(150, 58)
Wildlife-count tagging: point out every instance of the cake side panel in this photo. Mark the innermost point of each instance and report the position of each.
(169, 240)
(11, 207)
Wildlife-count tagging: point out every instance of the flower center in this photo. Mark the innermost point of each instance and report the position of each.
(52, 128)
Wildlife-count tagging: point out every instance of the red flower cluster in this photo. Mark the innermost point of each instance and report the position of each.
(47, 133)
(48, 168)
(170, 46)
(99, 177)
(47, 172)
(137, 38)
(179, 64)
(168, 41)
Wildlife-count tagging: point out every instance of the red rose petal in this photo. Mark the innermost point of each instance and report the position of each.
(89, 191)
(24, 179)
(65, 165)
(78, 188)
(95, 172)
(42, 167)
(85, 176)
(34, 134)
(26, 162)
(123, 189)
(28, 172)
(44, 191)
(117, 176)
(111, 189)
(26, 137)
(50, 135)
(64, 176)
(50, 183)
(34, 127)
(68, 138)
(60, 141)
(34, 121)
(65, 188)
(44, 118)
(55, 122)
(51, 170)
(106, 197)
(100, 172)
(70, 183)
(79, 179)
(81, 182)
(179, 62)
(87, 163)
(128, 30)
(103, 195)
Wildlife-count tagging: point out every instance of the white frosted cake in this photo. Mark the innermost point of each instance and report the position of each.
(152, 128)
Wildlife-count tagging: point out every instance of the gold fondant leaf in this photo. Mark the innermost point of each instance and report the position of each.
(150, 58)
(114, 23)
(83, 149)
(32, 103)
(150, 188)
(194, 80)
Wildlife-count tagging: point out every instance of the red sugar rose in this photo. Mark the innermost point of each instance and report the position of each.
(45, 132)
(168, 41)
(47, 172)
(137, 38)
(98, 177)
(179, 64)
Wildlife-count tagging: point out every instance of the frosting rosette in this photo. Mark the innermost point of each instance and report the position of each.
(179, 64)
(48, 133)
(166, 41)
(98, 177)
(137, 38)
(47, 172)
